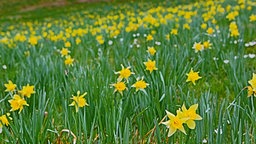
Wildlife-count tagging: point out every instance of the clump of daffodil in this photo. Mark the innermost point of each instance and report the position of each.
(140, 84)
(124, 73)
(119, 86)
(184, 116)
(18, 100)
(79, 101)
(234, 32)
(232, 15)
(198, 46)
(33, 40)
(150, 65)
(100, 39)
(10, 87)
(252, 87)
(193, 76)
(17, 103)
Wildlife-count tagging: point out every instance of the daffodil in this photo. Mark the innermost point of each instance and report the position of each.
(67, 44)
(69, 60)
(151, 50)
(174, 31)
(186, 26)
(79, 101)
(17, 103)
(150, 65)
(120, 87)
(149, 37)
(190, 114)
(10, 87)
(251, 91)
(64, 52)
(193, 76)
(207, 44)
(210, 31)
(252, 18)
(124, 73)
(27, 90)
(252, 82)
(78, 41)
(174, 123)
(203, 25)
(4, 120)
(140, 84)
(198, 46)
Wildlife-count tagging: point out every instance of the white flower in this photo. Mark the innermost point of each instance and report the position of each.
(4, 67)
(138, 34)
(226, 61)
(235, 57)
(158, 43)
(204, 141)
(245, 56)
(251, 55)
(217, 130)
(145, 35)
(215, 58)
(207, 110)
(110, 42)
(121, 39)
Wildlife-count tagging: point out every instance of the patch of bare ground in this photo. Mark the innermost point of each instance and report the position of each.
(57, 3)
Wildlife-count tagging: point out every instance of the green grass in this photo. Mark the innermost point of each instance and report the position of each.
(134, 117)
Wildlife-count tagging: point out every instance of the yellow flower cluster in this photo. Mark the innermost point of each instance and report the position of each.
(18, 97)
(125, 73)
(184, 116)
(233, 29)
(65, 53)
(198, 46)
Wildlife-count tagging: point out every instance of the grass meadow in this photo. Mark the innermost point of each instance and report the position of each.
(129, 72)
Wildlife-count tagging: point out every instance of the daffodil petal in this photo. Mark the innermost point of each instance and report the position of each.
(182, 130)
(198, 117)
(191, 124)
(170, 115)
(172, 130)
(193, 107)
